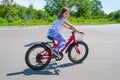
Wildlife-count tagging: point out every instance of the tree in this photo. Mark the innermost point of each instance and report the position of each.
(114, 15)
(7, 2)
(82, 8)
(54, 6)
(117, 15)
(7, 10)
(39, 14)
(30, 12)
(97, 11)
(22, 13)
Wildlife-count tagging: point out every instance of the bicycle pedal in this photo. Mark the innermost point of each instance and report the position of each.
(60, 57)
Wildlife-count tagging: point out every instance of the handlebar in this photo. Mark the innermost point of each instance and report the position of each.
(73, 31)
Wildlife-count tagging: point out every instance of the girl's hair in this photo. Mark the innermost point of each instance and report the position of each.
(63, 10)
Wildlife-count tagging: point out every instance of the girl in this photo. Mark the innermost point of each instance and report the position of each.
(54, 30)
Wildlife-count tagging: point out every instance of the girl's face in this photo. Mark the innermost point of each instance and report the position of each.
(66, 14)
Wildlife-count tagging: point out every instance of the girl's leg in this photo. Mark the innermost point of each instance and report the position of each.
(57, 36)
(61, 44)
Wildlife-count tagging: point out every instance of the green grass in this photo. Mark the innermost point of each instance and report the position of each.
(92, 21)
(49, 21)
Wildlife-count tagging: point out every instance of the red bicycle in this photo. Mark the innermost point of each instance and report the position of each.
(40, 54)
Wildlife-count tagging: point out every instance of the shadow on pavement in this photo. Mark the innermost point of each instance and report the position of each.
(51, 69)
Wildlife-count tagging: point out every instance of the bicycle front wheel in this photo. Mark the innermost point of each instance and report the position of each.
(78, 56)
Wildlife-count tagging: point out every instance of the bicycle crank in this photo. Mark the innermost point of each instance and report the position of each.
(59, 58)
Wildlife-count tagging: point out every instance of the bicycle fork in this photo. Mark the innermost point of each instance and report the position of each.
(76, 48)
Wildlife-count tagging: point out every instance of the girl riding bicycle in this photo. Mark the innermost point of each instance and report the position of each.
(54, 30)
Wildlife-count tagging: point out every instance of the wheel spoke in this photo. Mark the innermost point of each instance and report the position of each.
(74, 54)
(33, 57)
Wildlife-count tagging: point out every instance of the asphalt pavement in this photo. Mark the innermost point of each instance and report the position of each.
(102, 63)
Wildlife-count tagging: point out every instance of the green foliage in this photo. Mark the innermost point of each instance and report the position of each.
(115, 15)
(2, 20)
(82, 12)
(54, 6)
(80, 8)
(90, 21)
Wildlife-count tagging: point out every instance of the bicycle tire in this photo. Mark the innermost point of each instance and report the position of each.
(27, 56)
(84, 55)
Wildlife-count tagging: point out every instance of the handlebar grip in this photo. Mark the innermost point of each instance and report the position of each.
(82, 33)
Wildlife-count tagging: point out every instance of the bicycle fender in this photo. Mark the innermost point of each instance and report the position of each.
(38, 44)
(35, 43)
(69, 47)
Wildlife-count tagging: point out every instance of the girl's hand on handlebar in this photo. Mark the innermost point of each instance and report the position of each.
(81, 32)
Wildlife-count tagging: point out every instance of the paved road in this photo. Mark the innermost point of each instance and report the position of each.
(102, 63)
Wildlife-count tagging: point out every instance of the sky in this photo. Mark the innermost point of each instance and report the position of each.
(38, 4)
(108, 5)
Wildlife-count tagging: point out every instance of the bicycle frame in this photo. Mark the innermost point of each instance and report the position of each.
(70, 40)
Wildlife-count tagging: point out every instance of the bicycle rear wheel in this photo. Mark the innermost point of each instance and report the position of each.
(34, 57)
(75, 56)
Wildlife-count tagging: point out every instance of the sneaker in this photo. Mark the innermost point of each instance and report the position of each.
(55, 53)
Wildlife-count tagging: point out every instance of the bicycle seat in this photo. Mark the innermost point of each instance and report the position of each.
(50, 38)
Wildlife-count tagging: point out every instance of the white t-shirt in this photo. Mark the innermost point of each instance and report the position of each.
(58, 24)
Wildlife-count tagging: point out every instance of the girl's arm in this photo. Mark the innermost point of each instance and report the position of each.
(70, 26)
